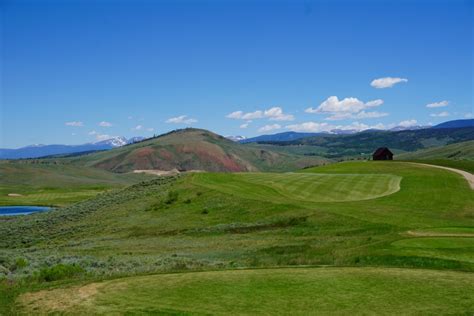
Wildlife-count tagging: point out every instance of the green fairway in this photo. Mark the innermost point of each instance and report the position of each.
(301, 186)
(301, 291)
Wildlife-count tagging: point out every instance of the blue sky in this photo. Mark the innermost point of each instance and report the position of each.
(77, 71)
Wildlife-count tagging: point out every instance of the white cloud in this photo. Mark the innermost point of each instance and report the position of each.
(273, 114)
(361, 115)
(387, 82)
(310, 127)
(235, 115)
(138, 127)
(183, 119)
(468, 115)
(408, 123)
(100, 137)
(74, 123)
(276, 114)
(105, 124)
(150, 129)
(245, 125)
(346, 105)
(437, 104)
(315, 127)
(441, 114)
(92, 133)
(268, 128)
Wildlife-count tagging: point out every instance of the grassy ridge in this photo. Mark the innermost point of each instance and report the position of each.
(300, 291)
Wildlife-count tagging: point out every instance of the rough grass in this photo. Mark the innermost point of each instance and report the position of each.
(181, 225)
(301, 291)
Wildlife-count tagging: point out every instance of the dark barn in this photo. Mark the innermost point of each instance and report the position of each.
(382, 153)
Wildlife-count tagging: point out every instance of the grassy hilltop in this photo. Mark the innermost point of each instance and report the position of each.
(381, 218)
(195, 149)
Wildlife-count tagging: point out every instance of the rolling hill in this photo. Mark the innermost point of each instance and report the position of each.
(463, 150)
(399, 141)
(194, 149)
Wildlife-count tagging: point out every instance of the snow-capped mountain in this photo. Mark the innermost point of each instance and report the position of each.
(237, 138)
(135, 139)
(39, 150)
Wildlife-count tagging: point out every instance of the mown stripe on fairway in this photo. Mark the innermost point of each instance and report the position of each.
(303, 186)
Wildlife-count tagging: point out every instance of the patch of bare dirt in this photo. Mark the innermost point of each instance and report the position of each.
(59, 300)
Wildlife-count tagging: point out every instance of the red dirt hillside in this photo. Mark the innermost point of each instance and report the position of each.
(194, 149)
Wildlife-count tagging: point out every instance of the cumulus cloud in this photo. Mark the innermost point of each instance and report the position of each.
(386, 82)
(270, 127)
(183, 119)
(273, 114)
(138, 127)
(408, 123)
(315, 127)
(359, 116)
(343, 108)
(105, 124)
(101, 137)
(276, 114)
(441, 114)
(437, 104)
(74, 123)
(309, 127)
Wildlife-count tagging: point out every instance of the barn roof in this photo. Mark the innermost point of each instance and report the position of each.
(381, 150)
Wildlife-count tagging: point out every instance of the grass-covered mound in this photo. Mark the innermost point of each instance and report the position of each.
(301, 291)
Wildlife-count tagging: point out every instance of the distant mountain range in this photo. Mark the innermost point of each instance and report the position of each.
(291, 136)
(456, 124)
(279, 137)
(36, 151)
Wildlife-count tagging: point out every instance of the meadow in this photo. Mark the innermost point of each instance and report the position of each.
(382, 236)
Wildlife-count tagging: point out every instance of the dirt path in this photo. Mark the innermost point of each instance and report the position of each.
(468, 176)
(436, 234)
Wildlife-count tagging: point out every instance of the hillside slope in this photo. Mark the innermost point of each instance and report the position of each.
(463, 150)
(366, 142)
(194, 149)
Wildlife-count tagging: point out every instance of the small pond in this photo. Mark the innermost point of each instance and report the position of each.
(21, 210)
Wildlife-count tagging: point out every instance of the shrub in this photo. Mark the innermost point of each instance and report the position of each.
(58, 272)
(20, 263)
(171, 197)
